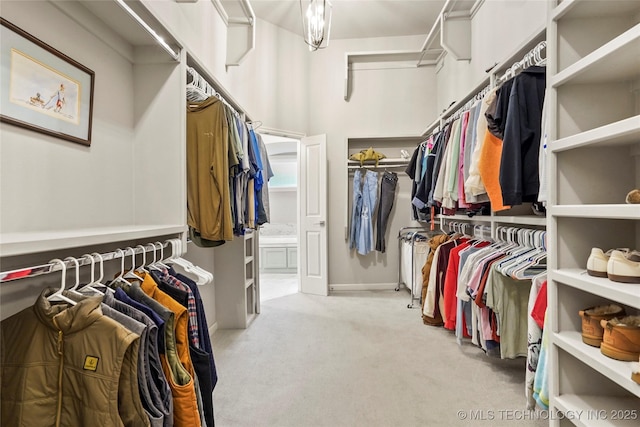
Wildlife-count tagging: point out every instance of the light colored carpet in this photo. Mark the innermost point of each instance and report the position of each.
(359, 359)
(277, 285)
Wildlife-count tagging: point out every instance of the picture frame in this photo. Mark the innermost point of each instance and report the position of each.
(42, 89)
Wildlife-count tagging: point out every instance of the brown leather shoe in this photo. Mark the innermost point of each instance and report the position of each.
(592, 331)
(621, 339)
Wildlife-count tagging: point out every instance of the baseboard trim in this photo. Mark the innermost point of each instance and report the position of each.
(362, 287)
(213, 328)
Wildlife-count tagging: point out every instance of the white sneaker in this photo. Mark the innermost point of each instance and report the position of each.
(622, 269)
(597, 261)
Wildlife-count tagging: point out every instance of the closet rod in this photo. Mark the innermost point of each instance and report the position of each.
(38, 270)
(533, 57)
(208, 88)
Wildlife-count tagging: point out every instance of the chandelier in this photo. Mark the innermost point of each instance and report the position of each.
(316, 23)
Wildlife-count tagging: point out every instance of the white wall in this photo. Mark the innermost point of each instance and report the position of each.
(283, 207)
(47, 183)
(389, 102)
(270, 84)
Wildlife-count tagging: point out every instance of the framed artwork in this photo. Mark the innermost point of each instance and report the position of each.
(42, 89)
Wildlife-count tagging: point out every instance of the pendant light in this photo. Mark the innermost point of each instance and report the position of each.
(316, 23)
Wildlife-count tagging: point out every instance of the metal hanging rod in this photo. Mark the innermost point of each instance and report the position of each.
(38, 270)
(533, 57)
(201, 83)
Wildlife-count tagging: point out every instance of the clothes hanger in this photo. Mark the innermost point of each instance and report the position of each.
(57, 295)
(131, 273)
(203, 276)
(74, 288)
(120, 277)
(160, 262)
(153, 265)
(144, 259)
(92, 282)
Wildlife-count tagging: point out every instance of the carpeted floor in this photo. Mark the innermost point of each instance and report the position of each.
(360, 359)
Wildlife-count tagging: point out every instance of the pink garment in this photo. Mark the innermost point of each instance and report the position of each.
(463, 139)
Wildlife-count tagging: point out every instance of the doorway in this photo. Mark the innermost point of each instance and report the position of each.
(278, 239)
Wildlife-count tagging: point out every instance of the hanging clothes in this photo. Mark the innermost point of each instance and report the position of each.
(72, 352)
(519, 179)
(387, 195)
(364, 202)
(491, 153)
(208, 193)
(434, 243)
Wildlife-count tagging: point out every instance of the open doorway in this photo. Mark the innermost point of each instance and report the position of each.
(278, 239)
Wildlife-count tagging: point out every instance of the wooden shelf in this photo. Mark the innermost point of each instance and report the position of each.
(623, 132)
(622, 211)
(616, 370)
(617, 60)
(600, 411)
(25, 243)
(625, 293)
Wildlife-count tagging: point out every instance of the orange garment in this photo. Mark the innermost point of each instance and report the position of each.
(489, 166)
(185, 402)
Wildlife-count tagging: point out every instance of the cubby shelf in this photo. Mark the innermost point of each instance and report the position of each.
(616, 370)
(615, 61)
(611, 411)
(623, 132)
(594, 160)
(627, 293)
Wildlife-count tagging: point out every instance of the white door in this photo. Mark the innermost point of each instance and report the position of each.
(312, 223)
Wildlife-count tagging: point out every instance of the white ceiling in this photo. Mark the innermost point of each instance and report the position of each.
(352, 18)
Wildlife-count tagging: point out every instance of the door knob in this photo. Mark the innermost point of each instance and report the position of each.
(319, 223)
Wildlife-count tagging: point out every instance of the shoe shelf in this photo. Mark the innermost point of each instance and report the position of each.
(623, 132)
(611, 411)
(615, 61)
(593, 162)
(625, 293)
(617, 371)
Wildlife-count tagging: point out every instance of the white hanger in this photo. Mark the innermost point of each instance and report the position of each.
(131, 273)
(74, 288)
(160, 262)
(203, 277)
(144, 258)
(89, 285)
(120, 277)
(57, 295)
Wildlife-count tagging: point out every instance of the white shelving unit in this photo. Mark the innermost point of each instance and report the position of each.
(237, 282)
(594, 161)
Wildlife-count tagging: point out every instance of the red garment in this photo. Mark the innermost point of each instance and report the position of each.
(540, 306)
(451, 287)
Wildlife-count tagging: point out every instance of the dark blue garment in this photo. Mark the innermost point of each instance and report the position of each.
(124, 297)
(203, 328)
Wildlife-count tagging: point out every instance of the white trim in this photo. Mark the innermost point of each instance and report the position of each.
(223, 13)
(280, 132)
(212, 329)
(362, 287)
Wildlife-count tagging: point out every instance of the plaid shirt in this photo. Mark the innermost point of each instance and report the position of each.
(191, 304)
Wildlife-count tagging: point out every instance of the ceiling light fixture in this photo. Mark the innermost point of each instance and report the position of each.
(316, 23)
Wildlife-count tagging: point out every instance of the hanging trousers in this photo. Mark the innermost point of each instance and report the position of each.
(387, 195)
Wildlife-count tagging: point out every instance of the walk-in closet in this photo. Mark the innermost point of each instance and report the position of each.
(320, 213)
